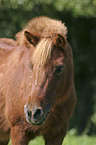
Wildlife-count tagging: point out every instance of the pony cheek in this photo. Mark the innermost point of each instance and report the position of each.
(57, 87)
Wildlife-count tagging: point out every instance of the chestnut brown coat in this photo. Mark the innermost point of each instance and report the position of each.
(37, 94)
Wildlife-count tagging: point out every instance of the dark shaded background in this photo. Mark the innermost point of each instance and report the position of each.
(80, 19)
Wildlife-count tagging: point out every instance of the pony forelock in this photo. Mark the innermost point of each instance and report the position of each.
(42, 52)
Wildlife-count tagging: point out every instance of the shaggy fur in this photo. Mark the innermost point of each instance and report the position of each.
(20, 62)
(43, 27)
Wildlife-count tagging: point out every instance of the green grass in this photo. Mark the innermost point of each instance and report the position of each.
(69, 140)
(80, 140)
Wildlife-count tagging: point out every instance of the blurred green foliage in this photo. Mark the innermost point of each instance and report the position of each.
(77, 7)
(70, 139)
(80, 18)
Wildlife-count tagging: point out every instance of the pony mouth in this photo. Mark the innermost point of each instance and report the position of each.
(33, 122)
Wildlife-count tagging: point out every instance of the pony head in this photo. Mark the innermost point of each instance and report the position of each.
(50, 66)
(50, 76)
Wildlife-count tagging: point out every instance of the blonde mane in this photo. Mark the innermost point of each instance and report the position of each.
(42, 26)
(42, 52)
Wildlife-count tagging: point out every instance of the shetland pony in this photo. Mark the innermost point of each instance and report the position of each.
(37, 93)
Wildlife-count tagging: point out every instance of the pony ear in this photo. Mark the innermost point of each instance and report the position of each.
(60, 40)
(31, 38)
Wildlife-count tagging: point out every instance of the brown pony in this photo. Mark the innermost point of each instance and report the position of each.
(37, 94)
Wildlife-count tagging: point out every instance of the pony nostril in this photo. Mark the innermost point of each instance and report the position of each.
(37, 113)
(29, 114)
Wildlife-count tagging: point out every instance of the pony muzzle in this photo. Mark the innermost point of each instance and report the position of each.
(35, 116)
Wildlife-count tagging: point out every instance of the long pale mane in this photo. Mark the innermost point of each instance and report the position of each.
(42, 52)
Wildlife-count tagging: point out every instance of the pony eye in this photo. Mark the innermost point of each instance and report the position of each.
(59, 69)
